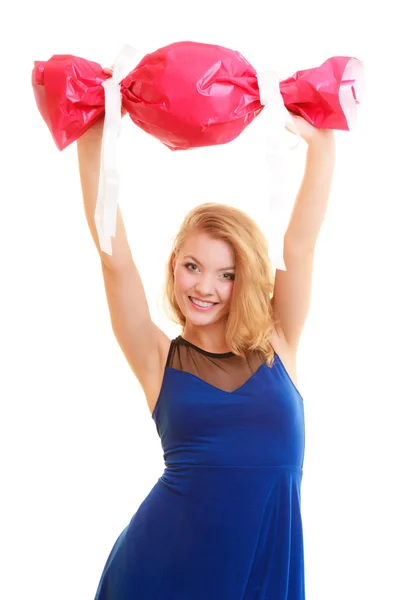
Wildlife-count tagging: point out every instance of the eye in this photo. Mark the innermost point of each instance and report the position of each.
(228, 276)
(187, 265)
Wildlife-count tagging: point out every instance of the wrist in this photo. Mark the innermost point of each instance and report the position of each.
(322, 138)
(94, 132)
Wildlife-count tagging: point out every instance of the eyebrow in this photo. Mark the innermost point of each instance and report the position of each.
(199, 263)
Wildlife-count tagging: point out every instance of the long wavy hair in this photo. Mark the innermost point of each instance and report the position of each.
(250, 321)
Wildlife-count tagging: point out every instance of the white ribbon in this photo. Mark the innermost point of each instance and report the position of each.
(277, 116)
(105, 215)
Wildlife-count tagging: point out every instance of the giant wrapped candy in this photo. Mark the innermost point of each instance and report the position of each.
(187, 95)
(190, 94)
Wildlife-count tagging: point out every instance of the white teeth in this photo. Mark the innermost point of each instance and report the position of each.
(203, 304)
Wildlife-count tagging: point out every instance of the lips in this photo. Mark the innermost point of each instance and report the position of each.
(200, 300)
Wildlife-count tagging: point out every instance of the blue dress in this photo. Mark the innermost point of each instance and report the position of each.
(223, 522)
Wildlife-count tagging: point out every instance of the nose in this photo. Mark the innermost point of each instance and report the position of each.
(205, 286)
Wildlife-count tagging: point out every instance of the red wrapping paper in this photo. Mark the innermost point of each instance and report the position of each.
(189, 94)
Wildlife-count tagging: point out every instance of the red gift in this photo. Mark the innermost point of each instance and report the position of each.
(190, 94)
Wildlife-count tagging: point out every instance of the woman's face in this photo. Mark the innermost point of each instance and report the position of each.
(204, 271)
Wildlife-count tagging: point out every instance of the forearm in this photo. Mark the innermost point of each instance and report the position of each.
(89, 152)
(312, 199)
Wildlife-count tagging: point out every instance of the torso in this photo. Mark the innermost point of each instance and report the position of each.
(153, 384)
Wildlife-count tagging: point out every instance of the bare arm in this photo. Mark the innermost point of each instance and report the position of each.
(293, 287)
(141, 341)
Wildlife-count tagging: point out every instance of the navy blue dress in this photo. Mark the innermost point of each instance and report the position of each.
(223, 522)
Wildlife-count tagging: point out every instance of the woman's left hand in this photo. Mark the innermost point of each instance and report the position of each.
(308, 132)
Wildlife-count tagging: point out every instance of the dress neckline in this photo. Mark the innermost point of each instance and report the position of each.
(205, 352)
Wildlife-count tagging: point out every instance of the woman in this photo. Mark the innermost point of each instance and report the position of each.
(223, 522)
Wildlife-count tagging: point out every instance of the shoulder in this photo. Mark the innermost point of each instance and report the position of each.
(165, 344)
(151, 381)
(286, 353)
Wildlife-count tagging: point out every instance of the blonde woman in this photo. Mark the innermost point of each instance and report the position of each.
(224, 520)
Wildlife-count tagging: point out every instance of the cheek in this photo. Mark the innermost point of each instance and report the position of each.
(227, 292)
(182, 280)
(224, 291)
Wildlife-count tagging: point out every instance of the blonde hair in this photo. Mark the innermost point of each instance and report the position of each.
(250, 321)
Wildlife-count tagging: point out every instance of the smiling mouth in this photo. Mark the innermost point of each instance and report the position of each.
(202, 305)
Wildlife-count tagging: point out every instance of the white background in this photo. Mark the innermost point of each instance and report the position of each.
(79, 450)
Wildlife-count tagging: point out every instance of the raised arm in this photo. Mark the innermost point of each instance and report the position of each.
(293, 287)
(142, 342)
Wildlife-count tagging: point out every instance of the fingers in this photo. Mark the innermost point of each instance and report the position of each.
(108, 71)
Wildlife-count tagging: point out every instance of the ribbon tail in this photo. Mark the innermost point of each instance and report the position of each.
(276, 116)
(107, 199)
(105, 216)
(276, 214)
